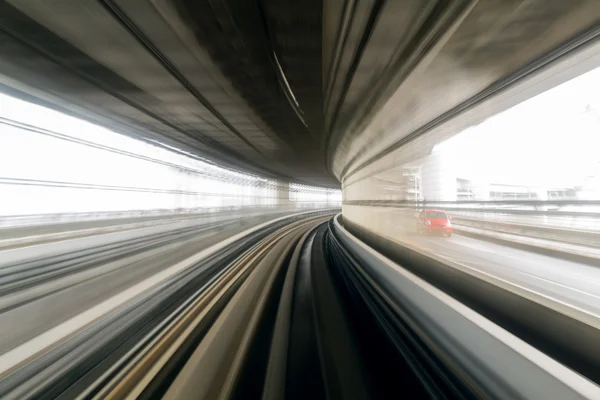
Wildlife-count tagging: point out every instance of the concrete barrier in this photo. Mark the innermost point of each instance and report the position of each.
(566, 235)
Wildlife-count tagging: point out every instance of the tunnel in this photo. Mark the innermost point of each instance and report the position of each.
(298, 199)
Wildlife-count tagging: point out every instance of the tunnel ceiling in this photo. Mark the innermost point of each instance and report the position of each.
(302, 90)
(237, 82)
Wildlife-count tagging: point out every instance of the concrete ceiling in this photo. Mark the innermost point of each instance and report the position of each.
(301, 90)
(238, 82)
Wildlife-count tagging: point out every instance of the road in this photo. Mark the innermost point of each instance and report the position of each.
(575, 284)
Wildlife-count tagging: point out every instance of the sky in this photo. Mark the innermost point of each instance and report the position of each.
(551, 140)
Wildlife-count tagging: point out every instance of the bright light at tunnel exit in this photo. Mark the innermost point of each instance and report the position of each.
(550, 140)
(46, 168)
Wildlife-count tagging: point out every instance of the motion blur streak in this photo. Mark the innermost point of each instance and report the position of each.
(285, 199)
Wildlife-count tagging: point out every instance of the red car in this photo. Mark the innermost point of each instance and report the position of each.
(434, 221)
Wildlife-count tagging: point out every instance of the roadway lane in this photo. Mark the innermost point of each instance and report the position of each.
(568, 282)
(33, 309)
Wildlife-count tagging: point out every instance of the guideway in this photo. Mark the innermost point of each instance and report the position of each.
(295, 308)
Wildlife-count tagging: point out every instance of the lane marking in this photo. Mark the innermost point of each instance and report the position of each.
(542, 264)
(474, 266)
(533, 264)
(596, 317)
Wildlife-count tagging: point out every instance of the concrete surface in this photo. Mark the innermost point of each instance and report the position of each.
(575, 284)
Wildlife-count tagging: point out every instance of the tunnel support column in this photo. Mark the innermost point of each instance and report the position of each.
(283, 194)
